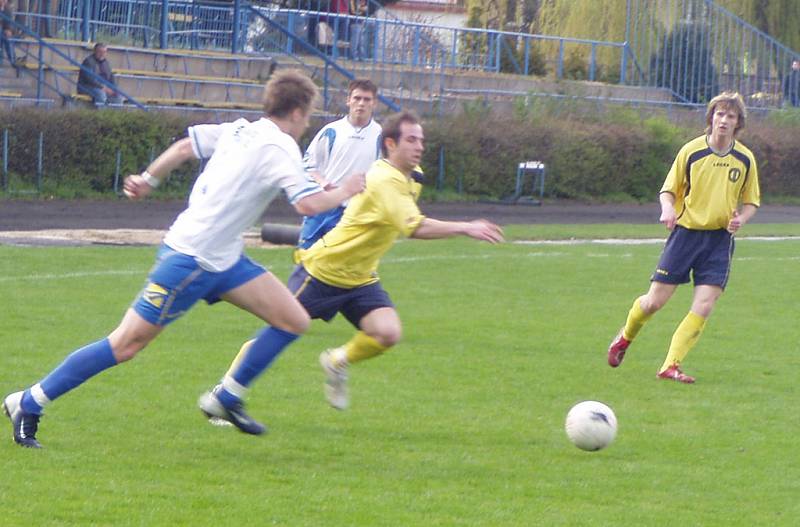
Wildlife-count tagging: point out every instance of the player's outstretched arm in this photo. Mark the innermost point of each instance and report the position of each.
(431, 229)
(322, 201)
(137, 186)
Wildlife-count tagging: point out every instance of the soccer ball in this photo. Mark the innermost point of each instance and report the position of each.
(591, 425)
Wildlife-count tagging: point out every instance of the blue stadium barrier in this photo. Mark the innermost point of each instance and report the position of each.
(688, 49)
(60, 78)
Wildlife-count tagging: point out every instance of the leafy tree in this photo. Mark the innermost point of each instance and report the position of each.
(473, 47)
(684, 64)
(506, 15)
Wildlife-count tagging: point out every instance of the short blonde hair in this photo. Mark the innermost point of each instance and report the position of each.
(729, 100)
(288, 90)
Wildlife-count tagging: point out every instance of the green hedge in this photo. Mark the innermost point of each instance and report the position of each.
(590, 154)
(80, 147)
(614, 154)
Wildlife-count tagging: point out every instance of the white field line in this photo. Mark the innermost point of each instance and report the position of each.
(451, 257)
(643, 241)
(62, 276)
(434, 257)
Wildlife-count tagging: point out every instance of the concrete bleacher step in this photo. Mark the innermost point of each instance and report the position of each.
(187, 88)
(468, 83)
(178, 103)
(12, 82)
(142, 84)
(32, 65)
(168, 78)
(184, 62)
(178, 88)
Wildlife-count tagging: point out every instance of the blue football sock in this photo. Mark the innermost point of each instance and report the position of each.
(77, 368)
(265, 348)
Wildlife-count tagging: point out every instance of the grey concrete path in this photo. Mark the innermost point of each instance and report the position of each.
(21, 215)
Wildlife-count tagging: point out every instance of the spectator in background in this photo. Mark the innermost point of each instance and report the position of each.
(6, 33)
(791, 84)
(98, 64)
(321, 6)
(42, 23)
(339, 24)
(350, 144)
(358, 40)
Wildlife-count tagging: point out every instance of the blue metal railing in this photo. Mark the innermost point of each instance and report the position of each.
(697, 48)
(59, 77)
(146, 23)
(342, 75)
(210, 25)
(688, 48)
(402, 85)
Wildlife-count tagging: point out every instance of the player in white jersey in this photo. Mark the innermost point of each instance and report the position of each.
(202, 254)
(350, 144)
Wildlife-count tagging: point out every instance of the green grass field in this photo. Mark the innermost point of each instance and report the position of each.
(461, 424)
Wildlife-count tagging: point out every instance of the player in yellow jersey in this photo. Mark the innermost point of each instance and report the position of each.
(338, 274)
(711, 191)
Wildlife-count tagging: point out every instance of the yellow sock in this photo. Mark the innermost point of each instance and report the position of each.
(684, 339)
(636, 319)
(239, 356)
(362, 347)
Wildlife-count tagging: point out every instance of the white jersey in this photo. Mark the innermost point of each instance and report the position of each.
(340, 149)
(248, 164)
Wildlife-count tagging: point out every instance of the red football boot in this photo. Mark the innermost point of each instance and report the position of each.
(674, 373)
(616, 351)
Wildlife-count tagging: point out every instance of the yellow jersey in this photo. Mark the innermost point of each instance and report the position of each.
(708, 187)
(348, 255)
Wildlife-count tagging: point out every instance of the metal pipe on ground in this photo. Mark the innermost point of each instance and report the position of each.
(280, 234)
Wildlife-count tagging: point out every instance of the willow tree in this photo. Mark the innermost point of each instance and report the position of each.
(606, 20)
(601, 20)
(515, 16)
(778, 18)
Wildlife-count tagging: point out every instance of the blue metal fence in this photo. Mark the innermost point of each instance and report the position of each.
(62, 83)
(689, 48)
(695, 48)
(147, 23)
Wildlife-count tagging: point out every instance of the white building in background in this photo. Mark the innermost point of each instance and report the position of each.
(447, 13)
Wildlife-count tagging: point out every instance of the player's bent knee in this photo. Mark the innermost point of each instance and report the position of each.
(652, 303)
(298, 324)
(388, 337)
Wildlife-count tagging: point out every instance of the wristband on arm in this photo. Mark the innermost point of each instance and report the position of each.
(150, 179)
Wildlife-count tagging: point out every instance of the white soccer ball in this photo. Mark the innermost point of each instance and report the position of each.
(591, 425)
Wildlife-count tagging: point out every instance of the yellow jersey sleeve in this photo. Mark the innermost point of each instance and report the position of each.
(397, 199)
(675, 183)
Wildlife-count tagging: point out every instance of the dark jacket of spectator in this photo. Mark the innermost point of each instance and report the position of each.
(7, 32)
(99, 67)
(9, 12)
(340, 6)
(791, 85)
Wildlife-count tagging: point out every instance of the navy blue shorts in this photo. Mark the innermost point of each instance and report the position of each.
(323, 301)
(706, 254)
(177, 282)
